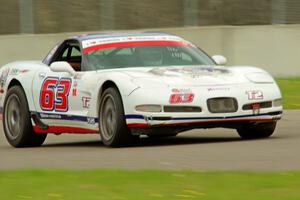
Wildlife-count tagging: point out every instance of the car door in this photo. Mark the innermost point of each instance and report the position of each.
(55, 95)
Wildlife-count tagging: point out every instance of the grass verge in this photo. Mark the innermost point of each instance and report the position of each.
(121, 184)
(290, 89)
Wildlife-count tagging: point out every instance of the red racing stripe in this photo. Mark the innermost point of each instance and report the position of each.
(64, 129)
(134, 43)
(137, 125)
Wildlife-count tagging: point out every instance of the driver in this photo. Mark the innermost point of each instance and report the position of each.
(150, 55)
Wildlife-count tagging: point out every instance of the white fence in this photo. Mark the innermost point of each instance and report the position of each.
(275, 48)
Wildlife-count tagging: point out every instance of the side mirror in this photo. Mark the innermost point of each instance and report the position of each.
(62, 66)
(220, 60)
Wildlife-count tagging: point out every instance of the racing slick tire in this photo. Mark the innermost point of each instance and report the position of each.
(113, 129)
(255, 131)
(17, 121)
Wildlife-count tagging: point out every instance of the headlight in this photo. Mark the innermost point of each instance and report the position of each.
(148, 108)
(259, 77)
(277, 103)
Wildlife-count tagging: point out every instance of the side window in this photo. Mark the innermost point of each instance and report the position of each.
(75, 52)
(69, 51)
(75, 58)
(47, 60)
(65, 54)
(62, 54)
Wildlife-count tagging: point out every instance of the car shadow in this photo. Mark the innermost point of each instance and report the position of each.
(165, 141)
(185, 140)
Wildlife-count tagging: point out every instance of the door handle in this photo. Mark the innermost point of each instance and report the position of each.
(42, 75)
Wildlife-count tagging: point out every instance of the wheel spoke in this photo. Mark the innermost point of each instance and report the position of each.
(13, 116)
(108, 117)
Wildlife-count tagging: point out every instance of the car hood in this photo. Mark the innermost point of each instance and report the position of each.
(187, 75)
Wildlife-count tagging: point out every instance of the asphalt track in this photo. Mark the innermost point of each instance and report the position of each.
(214, 149)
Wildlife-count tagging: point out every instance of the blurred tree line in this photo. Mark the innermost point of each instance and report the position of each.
(52, 16)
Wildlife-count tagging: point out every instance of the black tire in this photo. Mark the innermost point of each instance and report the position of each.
(255, 131)
(113, 129)
(17, 122)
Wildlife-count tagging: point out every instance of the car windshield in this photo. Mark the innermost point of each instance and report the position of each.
(145, 56)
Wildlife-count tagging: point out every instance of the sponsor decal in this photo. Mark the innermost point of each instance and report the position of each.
(74, 92)
(50, 116)
(212, 89)
(133, 43)
(181, 95)
(91, 120)
(63, 117)
(3, 78)
(181, 98)
(255, 95)
(74, 89)
(190, 71)
(17, 71)
(196, 70)
(97, 44)
(14, 72)
(128, 38)
(54, 94)
(181, 90)
(86, 102)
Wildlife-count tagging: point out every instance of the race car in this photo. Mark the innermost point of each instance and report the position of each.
(123, 85)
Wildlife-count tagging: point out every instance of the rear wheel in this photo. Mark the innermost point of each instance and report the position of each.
(253, 131)
(112, 124)
(17, 122)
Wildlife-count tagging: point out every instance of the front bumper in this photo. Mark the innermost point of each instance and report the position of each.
(144, 121)
(205, 118)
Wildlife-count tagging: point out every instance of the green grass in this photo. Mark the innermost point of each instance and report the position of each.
(121, 184)
(290, 89)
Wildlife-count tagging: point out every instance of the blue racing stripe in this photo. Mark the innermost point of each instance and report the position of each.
(64, 117)
(134, 117)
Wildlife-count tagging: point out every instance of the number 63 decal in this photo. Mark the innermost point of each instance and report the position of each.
(54, 94)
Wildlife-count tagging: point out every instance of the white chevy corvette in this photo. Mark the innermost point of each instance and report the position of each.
(123, 85)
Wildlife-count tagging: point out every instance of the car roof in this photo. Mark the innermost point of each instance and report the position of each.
(103, 35)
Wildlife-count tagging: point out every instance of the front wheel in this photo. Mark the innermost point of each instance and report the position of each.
(112, 124)
(17, 122)
(254, 131)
